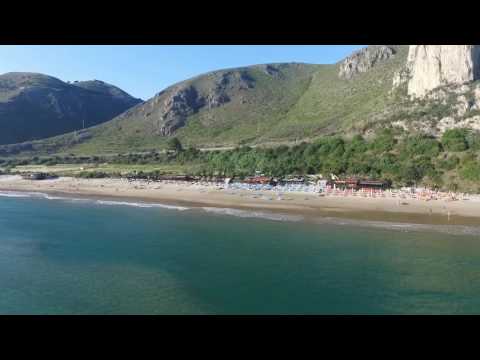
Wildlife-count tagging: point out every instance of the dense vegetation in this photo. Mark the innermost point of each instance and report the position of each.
(403, 159)
(449, 163)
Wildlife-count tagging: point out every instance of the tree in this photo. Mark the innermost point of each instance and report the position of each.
(174, 144)
(455, 139)
(473, 140)
(383, 142)
(421, 145)
(471, 171)
(410, 173)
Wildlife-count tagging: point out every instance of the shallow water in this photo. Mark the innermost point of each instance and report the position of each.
(80, 256)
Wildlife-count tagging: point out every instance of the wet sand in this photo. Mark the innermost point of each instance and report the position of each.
(309, 205)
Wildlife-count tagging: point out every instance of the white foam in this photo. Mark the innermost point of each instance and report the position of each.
(50, 197)
(405, 227)
(252, 214)
(13, 194)
(142, 205)
(21, 194)
(29, 194)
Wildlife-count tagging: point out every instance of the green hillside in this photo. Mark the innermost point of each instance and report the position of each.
(250, 111)
(272, 103)
(331, 104)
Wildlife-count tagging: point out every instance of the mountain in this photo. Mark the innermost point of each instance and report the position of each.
(221, 107)
(283, 103)
(35, 106)
(269, 103)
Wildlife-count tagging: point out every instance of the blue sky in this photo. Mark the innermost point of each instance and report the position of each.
(145, 70)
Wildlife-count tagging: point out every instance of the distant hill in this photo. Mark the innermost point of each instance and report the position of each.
(35, 106)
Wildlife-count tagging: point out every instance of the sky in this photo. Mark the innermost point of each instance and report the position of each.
(143, 71)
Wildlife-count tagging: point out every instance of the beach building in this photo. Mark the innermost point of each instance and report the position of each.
(293, 180)
(373, 184)
(38, 176)
(260, 180)
(343, 184)
(360, 184)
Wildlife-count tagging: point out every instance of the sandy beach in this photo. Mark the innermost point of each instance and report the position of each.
(309, 205)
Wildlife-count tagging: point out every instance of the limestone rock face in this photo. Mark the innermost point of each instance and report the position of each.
(176, 107)
(170, 109)
(364, 59)
(431, 66)
(448, 123)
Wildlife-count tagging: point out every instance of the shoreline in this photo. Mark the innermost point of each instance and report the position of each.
(310, 206)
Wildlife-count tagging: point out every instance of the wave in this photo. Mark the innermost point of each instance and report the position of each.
(383, 225)
(14, 194)
(403, 227)
(26, 194)
(21, 194)
(142, 205)
(253, 214)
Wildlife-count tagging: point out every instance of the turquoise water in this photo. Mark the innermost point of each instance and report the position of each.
(88, 257)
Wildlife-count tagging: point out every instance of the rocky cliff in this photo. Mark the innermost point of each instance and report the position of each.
(431, 66)
(363, 60)
(173, 107)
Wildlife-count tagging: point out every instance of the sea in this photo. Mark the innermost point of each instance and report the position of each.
(63, 255)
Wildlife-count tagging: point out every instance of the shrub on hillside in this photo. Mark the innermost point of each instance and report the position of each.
(174, 144)
(455, 139)
(471, 171)
(92, 175)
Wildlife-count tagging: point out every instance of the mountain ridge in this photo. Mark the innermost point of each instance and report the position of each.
(277, 103)
(35, 106)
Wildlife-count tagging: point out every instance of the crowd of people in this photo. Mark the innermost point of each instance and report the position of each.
(313, 188)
